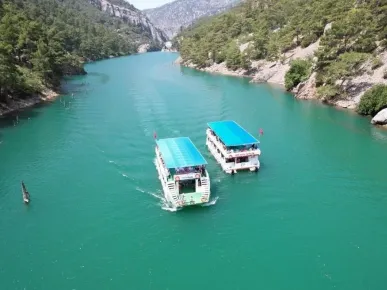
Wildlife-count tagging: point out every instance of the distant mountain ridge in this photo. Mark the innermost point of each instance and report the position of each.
(131, 15)
(181, 13)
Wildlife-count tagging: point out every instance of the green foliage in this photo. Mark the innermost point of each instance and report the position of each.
(327, 92)
(373, 100)
(234, 58)
(42, 40)
(347, 66)
(299, 71)
(385, 74)
(376, 63)
(308, 39)
(31, 83)
(275, 27)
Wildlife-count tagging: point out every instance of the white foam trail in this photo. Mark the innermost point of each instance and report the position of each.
(163, 202)
(124, 175)
(171, 209)
(151, 193)
(211, 202)
(111, 161)
(140, 190)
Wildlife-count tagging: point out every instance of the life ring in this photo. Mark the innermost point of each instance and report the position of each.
(197, 176)
(177, 178)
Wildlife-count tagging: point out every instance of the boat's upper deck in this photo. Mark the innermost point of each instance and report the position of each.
(180, 153)
(232, 134)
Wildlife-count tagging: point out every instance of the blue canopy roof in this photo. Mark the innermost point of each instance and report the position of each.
(180, 152)
(232, 134)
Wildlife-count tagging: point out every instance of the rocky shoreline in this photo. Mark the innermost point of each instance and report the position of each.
(263, 71)
(15, 105)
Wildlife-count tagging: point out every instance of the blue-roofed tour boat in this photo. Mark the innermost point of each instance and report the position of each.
(182, 172)
(233, 147)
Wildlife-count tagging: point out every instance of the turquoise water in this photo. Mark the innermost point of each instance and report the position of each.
(314, 217)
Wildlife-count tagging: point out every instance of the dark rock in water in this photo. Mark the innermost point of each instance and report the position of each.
(71, 70)
(26, 195)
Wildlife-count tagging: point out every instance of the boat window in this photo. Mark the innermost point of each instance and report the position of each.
(242, 159)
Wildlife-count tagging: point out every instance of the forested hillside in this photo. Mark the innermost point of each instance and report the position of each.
(350, 37)
(42, 40)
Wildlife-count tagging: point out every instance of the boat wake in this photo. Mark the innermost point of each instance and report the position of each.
(124, 175)
(163, 203)
(169, 208)
(211, 202)
(156, 195)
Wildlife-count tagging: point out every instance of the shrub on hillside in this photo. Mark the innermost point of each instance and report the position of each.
(385, 74)
(299, 71)
(376, 63)
(348, 66)
(308, 40)
(327, 92)
(373, 100)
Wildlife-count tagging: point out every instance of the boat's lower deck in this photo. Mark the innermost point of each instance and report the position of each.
(233, 165)
(179, 192)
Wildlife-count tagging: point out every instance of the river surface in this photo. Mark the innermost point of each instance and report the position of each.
(314, 217)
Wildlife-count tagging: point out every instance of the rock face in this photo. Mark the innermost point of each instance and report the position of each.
(181, 13)
(143, 48)
(274, 72)
(131, 15)
(380, 118)
(306, 90)
(360, 84)
(168, 47)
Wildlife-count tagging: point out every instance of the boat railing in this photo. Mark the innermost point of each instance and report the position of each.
(230, 153)
(159, 159)
(187, 176)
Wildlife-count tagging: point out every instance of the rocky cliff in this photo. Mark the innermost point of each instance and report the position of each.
(173, 16)
(131, 15)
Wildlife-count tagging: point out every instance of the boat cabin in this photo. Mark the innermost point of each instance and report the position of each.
(233, 147)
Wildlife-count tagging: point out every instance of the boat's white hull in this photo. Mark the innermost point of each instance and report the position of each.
(171, 191)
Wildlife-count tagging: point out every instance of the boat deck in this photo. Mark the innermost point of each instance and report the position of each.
(232, 134)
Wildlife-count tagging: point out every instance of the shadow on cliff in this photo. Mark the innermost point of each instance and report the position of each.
(354, 90)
